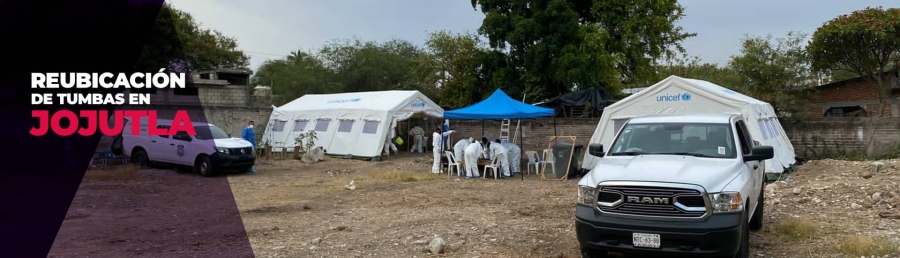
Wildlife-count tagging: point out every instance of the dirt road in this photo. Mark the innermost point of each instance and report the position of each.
(292, 209)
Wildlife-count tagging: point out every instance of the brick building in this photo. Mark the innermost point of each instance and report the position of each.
(852, 97)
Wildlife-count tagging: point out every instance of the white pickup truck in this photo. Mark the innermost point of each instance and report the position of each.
(683, 185)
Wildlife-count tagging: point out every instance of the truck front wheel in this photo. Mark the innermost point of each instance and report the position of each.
(204, 166)
(744, 250)
(756, 223)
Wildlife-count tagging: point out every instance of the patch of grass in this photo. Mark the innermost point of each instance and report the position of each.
(796, 228)
(856, 246)
(398, 176)
(113, 173)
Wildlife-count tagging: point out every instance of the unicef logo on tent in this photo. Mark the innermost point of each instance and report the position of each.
(344, 100)
(674, 97)
(418, 105)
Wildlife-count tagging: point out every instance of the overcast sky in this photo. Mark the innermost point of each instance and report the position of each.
(270, 29)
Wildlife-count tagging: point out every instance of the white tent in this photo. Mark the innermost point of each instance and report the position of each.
(354, 123)
(679, 95)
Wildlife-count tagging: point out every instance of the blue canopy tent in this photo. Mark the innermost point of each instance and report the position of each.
(500, 106)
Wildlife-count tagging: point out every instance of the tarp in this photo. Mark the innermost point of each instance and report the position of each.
(354, 123)
(596, 97)
(499, 106)
(679, 95)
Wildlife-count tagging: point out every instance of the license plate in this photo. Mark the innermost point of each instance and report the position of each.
(645, 240)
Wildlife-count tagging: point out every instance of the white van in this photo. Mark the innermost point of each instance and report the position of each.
(210, 150)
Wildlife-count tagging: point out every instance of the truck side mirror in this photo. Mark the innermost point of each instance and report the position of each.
(596, 149)
(760, 153)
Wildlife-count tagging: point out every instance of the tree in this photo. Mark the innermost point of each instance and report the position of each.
(691, 67)
(865, 42)
(298, 74)
(200, 49)
(776, 71)
(560, 45)
(350, 66)
(455, 60)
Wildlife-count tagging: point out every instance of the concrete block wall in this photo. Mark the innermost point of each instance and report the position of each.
(845, 137)
(224, 96)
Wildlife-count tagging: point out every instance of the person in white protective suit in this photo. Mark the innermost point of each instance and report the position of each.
(418, 136)
(389, 141)
(515, 156)
(497, 151)
(474, 151)
(460, 148)
(436, 141)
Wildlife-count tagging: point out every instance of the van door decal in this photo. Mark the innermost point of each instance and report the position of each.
(180, 150)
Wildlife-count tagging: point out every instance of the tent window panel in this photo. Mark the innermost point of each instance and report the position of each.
(278, 125)
(300, 125)
(345, 125)
(618, 123)
(771, 124)
(322, 125)
(370, 127)
(762, 129)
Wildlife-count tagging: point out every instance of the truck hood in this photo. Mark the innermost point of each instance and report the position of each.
(232, 143)
(709, 173)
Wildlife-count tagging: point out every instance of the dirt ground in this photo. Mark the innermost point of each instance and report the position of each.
(291, 209)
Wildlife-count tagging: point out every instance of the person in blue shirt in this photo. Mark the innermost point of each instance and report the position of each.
(249, 135)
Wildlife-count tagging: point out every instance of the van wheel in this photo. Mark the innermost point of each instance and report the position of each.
(204, 166)
(756, 223)
(593, 253)
(140, 158)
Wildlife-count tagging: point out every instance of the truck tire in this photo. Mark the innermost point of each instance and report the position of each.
(139, 157)
(592, 253)
(756, 223)
(204, 166)
(744, 250)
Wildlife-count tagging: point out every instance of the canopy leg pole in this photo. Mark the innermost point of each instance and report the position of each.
(482, 128)
(554, 125)
(521, 147)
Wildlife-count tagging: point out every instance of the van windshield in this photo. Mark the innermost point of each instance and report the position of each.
(210, 133)
(706, 140)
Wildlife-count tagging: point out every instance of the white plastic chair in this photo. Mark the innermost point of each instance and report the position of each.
(452, 162)
(532, 158)
(547, 158)
(494, 166)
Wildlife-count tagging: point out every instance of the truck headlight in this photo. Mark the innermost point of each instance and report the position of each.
(222, 150)
(726, 202)
(586, 195)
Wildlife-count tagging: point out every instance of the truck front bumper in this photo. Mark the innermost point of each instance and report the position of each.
(717, 235)
(229, 161)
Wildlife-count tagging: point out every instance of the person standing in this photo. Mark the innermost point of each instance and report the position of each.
(460, 147)
(417, 134)
(474, 151)
(249, 135)
(500, 153)
(446, 128)
(389, 141)
(436, 142)
(515, 156)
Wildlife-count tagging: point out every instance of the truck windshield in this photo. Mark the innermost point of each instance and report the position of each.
(210, 133)
(690, 139)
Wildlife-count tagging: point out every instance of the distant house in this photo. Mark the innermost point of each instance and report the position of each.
(852, 98)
